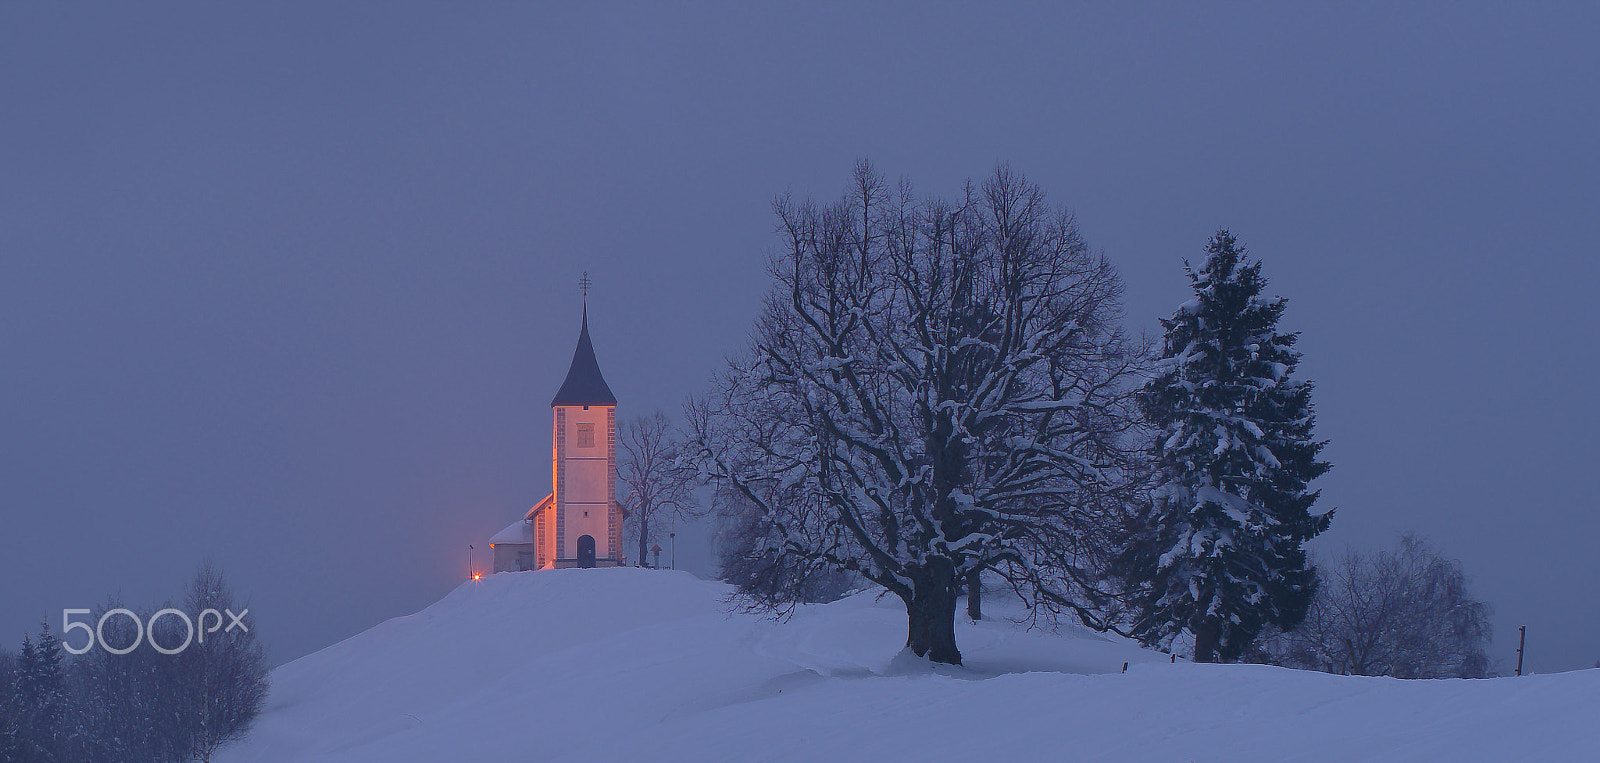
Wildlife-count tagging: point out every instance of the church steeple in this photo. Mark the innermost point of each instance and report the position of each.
(587, 522)
(580, 523)
(584, 385)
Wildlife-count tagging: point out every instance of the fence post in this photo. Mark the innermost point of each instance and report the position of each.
(1522, 640)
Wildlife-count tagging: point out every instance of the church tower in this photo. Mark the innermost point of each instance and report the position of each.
(586, 527)
(580, 523)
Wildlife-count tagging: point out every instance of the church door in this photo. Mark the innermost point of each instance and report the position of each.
(586, 551)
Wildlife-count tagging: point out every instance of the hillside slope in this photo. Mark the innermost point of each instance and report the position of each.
(650, 665)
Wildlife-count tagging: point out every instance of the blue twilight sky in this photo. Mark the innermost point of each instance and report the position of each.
(292, 285)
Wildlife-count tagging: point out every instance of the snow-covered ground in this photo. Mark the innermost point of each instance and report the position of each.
(629, 664)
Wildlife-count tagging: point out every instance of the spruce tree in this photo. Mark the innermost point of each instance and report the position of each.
(25, 694)
(39, 699)
(47, 655)
(46, 697)
(27, 667)
(1219, 551)
(13, 715)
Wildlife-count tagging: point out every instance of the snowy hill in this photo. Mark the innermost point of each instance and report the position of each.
(629, 664)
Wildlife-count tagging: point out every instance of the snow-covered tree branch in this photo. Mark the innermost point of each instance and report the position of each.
(936, 388)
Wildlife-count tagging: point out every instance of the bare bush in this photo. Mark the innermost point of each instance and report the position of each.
(1405, 612)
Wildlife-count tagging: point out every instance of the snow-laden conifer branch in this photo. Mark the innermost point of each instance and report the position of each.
(1219, 552)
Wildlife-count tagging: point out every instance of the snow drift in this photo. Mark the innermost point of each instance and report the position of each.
(617, 664)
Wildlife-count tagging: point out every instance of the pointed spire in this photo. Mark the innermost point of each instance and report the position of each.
(584, 385)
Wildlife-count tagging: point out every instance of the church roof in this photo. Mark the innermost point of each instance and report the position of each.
(544, 503)
(517, 533)
(521, 531)
(584, 384)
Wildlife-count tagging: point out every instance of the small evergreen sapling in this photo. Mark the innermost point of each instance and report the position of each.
(1219, 551)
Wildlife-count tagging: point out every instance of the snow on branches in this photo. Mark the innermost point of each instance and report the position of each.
(1220, 550)
(936, 389)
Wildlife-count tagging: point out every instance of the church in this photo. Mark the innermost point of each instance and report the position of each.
(579, 524)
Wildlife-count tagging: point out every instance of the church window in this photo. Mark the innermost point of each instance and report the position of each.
(585, 435)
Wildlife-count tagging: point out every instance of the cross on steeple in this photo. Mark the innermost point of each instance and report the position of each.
(583, 285)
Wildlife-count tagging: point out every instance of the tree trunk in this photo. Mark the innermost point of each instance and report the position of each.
(644, 538)
(1205, 640)
(974, 596)
(931, 614)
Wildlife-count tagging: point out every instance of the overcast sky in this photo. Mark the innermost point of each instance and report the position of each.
(292, 287)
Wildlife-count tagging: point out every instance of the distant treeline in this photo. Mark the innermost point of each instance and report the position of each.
(144, 704)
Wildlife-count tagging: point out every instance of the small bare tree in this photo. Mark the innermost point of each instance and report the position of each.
(1405, 613)
(221, 680)
(658, 484)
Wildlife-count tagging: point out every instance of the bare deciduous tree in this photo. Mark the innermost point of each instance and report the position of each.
(222, 679)
(935, 388)
(1405, 613)
(659, 484)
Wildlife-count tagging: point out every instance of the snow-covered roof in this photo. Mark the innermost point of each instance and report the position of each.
(520, 531)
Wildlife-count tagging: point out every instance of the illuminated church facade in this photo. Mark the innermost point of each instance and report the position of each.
(579, 524)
